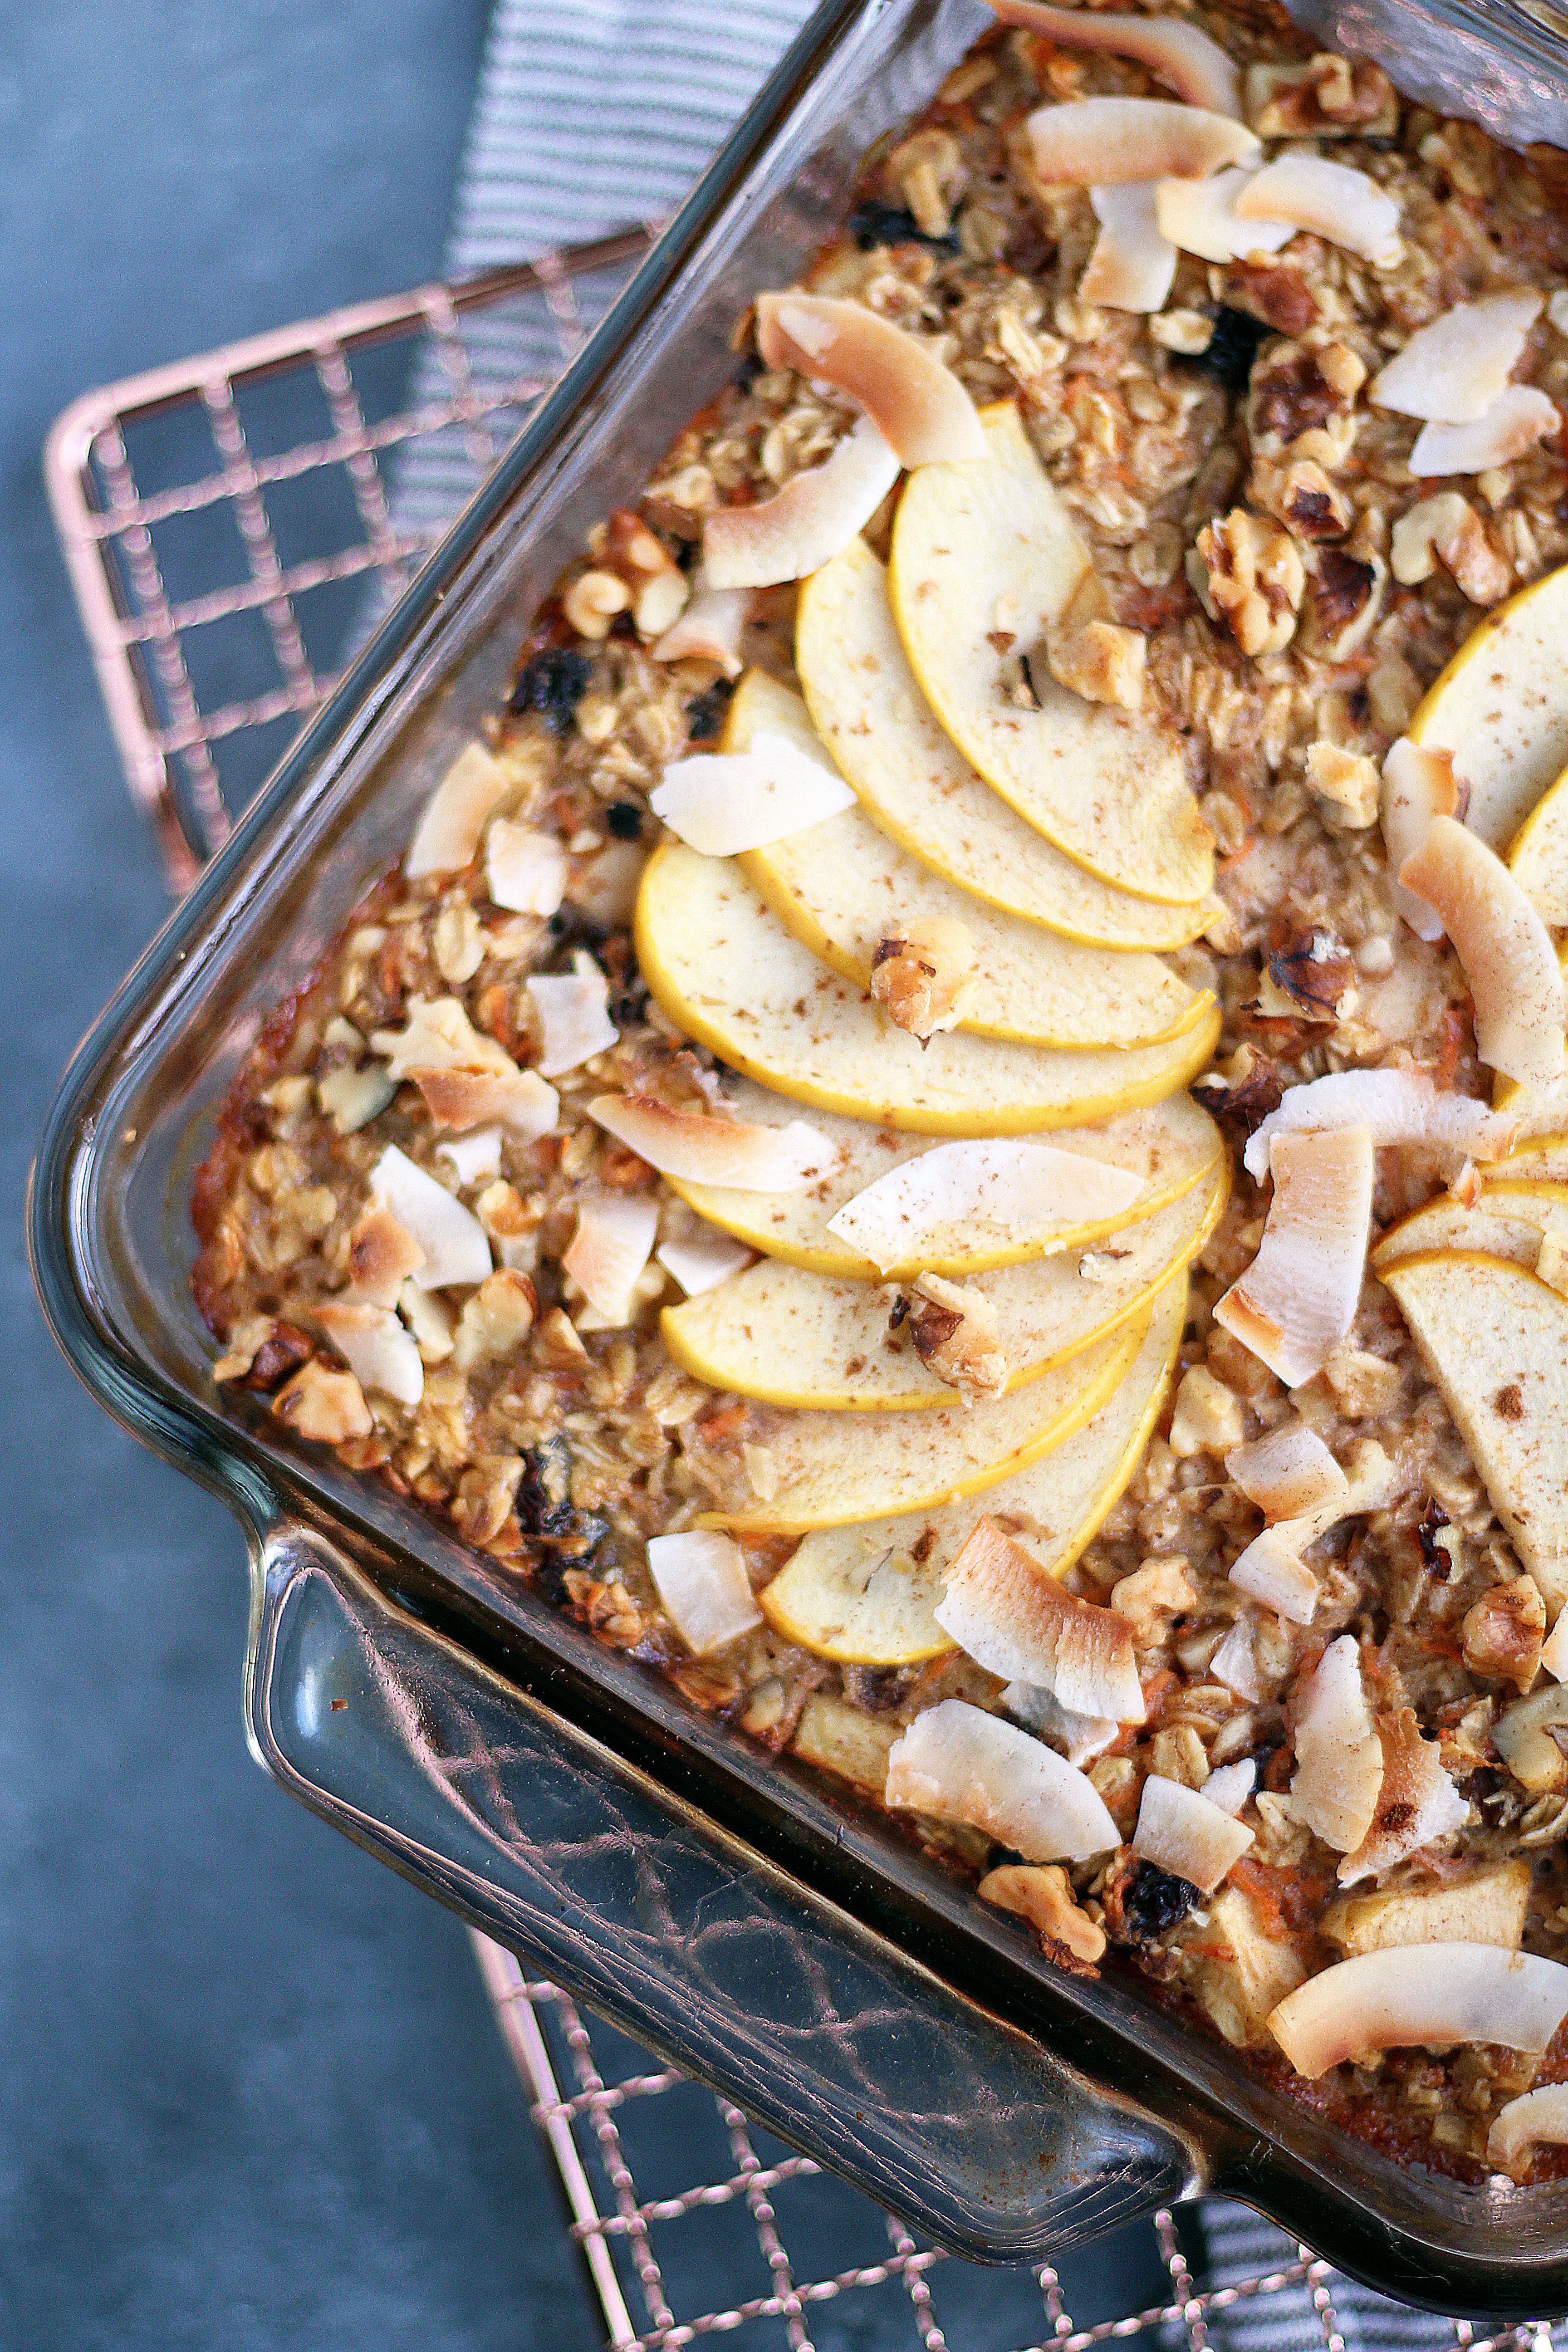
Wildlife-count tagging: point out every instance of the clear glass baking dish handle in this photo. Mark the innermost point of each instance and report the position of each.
(603, 1881)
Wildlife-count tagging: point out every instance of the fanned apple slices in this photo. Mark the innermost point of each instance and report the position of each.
(727, 972)
(1501, 708)
(842, 888)
(791, 1338)
(1510, 1220)
(919, 791)
(915, 1461)
(987, 549)
(1170, 1147)
(865, 1594)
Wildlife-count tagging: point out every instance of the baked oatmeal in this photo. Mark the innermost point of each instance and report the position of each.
(955, 1131)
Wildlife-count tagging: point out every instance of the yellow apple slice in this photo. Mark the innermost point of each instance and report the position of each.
(1495, 1339)
(726, 972)
(917, 789)
(980, 549)
(1543, 1159)
(791, 1338)
(867, 1595)
(1539, 858)
(914, 1461)
(842, 887)
(1509, 1221)
(1501, 708)
(1170, 1147)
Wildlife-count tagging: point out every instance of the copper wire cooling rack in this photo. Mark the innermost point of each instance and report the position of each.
(232, 524)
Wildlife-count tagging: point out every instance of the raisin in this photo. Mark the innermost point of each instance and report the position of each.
(625, 821)
(705, 712)
(544, 1494)
(552, 683)
(279, 1355)
(753, 365)
(1231, 348)
(1434, 1555)
(1156, 1902)
(873, 224)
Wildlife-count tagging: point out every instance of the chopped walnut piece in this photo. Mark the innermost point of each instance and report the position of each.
(1343, 595)
(1348, 781)
(486, 1491)
(1447, 529)
(920, 981)
(243, 1345)
(592, 601)
(496, 1320)
(325, 1405)
(1154, 1593)
(1313, 978)
(1245, 1086)
(1209, 1416)
(1503, 1633)
(1100, 660)
(283, 1351)
(1328, 98)
(1045, 1898)
(1274, 292)
(1301, 497)
(558, 1344)
(953, 1327)
(1256, 578)
(658, 586)
(1296, 393)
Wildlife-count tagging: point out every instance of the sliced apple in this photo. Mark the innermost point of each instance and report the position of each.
(1539, 858)
(843, 888)
(1502, 709)
(726, 970)
(833, 1597)
(1541, 1160)
(914, 1461)
(1495, 1339)
(920, 792)
(820, 1344)
(1507, 1221)
(979, 549)
(1170, 1148)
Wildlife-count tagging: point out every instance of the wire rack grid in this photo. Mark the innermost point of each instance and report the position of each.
(231, 525)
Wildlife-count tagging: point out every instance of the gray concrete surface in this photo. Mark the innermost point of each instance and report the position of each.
(250, 2095)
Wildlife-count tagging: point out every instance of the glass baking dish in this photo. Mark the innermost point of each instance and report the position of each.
(748, 1921)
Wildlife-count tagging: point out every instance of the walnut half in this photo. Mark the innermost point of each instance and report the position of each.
(921, 978)
(953, 1327)
(1255, 577)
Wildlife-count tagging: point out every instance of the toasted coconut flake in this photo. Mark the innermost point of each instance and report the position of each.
(383, 1254)
(1182, 57)
(573, 1012)
(703, 1150)
(1180, 1830)
(919, 406)
(1535, 2119)
(1045, 1898)
(702, 1581)
(1408, 1996)
(517, 1101)
(1102, 141)
(1501, 1634)
(809, 521)
(451, 1236)
(1417, 785)
(612, 1245)
(1333, 200)
(496, 1320)
(1298, 1297)
(703, 1263)
(1235, 1665)
(1289, 1473)
(710, 628)
(1555, 1649)
(1014, 1619)
(1200, 217)
(1230, 1787)
(376, 1349)
(1505, 948)
(991, 1183)
(1133, 264)
(1272, 1571)
(1338, 1757)
(438, 1035)
(1451, 371)
(1082, 1737)
(1396, 1105)
(474, 1158)
(447, 836)
(1518, 418)
(725, 802)
(1416, 1804)
(525, 871)
(960, 1764)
